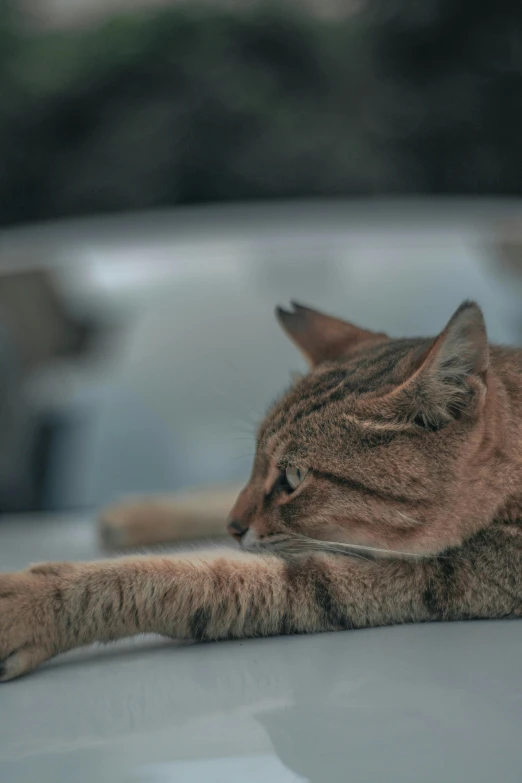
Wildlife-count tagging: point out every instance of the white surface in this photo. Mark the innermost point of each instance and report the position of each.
(432, 703)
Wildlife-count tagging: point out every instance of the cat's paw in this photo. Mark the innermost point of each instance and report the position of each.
(135, 522)
(124, 525)
(31, 603)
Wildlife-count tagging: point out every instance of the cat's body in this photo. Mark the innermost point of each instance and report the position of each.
(386, 488)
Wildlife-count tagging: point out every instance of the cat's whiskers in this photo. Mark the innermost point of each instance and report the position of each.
(294, 544)
(408, 518)
(297, 548)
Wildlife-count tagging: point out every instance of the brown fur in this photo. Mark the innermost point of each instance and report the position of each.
(181, 516)
(410, 510)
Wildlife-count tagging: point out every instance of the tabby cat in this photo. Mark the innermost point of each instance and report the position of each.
(386, 488)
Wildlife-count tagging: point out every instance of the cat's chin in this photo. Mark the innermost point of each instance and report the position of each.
(249, 541)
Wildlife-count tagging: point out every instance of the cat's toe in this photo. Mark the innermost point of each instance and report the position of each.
(20, 662)
(10, 668)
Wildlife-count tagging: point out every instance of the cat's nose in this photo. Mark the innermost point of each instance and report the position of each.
(236, 529)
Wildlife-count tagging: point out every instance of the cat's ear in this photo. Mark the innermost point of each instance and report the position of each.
(321, 337)
(451, 380)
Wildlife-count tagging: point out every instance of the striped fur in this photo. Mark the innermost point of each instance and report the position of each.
(409, 511)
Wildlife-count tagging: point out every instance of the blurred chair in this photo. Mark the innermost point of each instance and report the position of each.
(37, 327)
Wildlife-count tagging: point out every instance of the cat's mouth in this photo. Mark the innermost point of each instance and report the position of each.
(275, 542)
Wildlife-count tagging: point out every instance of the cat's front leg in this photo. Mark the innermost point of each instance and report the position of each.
(182, 516)
(54, 607)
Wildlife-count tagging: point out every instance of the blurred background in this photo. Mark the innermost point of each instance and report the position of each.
(171, 171)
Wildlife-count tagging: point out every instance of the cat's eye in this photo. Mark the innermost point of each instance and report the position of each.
(295, 476)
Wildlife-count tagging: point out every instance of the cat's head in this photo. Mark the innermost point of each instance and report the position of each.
(385, 444)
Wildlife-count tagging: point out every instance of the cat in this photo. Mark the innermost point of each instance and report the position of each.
(181, 516)
(386, 488)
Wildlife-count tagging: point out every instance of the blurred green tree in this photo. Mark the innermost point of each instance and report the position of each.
(195, 104)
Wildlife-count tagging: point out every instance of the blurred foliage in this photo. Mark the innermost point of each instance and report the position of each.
(192, 105)
(452, 70)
